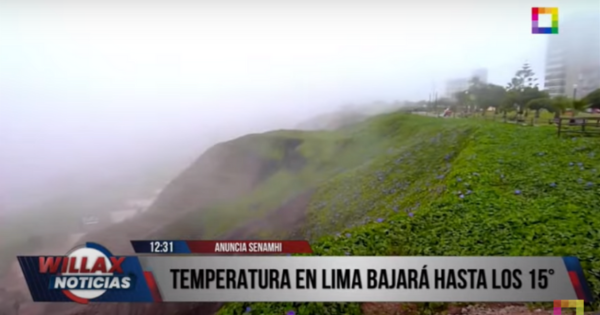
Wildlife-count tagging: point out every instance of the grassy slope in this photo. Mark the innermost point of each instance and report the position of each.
(524, 192)
(327, 154)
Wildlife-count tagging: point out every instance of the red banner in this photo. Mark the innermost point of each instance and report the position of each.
(249, 247)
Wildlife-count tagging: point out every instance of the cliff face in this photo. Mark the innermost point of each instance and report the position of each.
(258, 187)
(223, 174)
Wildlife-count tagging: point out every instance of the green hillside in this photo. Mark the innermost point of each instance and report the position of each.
(400, 184)
(407, 185)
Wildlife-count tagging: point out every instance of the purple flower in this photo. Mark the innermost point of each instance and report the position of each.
(461, 196)
(469, 192)
(291, 313)
(348, 235)
(589, 184)
(248, 309)
(517, 192)
(458, 179)
(410, 214)
(552, 184)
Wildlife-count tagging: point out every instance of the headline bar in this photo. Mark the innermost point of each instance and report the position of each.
(367, 279)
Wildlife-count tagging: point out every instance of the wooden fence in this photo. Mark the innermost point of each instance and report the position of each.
(587, 126)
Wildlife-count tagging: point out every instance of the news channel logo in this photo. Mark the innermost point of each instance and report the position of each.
(550, 27)
(88, 273)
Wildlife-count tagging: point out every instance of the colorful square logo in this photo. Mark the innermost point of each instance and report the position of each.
(535, 20)
(576, 304)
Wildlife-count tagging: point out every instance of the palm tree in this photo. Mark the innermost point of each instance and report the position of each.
(578, 106)
(559, 104)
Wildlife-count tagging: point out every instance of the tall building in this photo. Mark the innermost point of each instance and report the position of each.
(573, 57)
(459, 85)
(456, 85)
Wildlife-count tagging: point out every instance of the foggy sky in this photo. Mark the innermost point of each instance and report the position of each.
(84, 84)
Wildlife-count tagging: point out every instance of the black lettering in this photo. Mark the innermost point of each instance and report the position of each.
(371, 279)
(210, 277)
(517, 283)
(506, 279)
(356, 280)
(311, 278)
(462, 282)
(184, 279)
(481, 279)
(451, 281)
(424, 280)
(325, 285)
(285, 280)
(300, 279)
(494, 280)
(242, 282)
(220, 278)
(440, 278)
(231, 281)
(413, 279)
(274, 279)
(252, 278)
(383, 279)
(175, 273)
(197, 280)
(401, 282)
(343, 277)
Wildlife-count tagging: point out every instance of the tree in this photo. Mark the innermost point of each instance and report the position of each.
(538, 104)
(529, 94)
(522, 89)
(559, 104)
(578, 106)
(462, 100)
(523, 78)
(488, 95)
(593, 99)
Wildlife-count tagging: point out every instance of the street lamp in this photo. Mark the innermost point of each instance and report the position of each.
(573, 102)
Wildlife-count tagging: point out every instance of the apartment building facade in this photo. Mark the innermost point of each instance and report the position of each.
(573, 58)
(462, 84)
